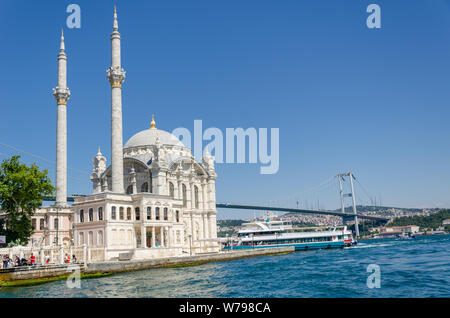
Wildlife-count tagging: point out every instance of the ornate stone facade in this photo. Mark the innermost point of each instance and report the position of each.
(155, 199)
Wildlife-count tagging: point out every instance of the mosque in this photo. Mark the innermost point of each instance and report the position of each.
(153, 200)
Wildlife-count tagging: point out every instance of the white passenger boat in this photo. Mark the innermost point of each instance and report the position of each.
(262, 234)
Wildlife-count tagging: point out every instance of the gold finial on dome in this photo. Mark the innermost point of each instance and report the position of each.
(153, 124)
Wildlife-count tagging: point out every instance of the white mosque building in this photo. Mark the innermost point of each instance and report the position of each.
(153, 200)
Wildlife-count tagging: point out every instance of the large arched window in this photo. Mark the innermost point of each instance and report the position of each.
(121, 213)
(149, 213)
(113, 213)
(91, 215)
(56, 223)
(184, 195)
(100, 214)
(196, 196)
(171, 190)
(157, 213)
(144, 187)
(81, 216)
(41, 224)
(166, 216)
(130, 189)
(128, 213)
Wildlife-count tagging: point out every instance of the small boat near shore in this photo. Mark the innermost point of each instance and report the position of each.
(264, 234)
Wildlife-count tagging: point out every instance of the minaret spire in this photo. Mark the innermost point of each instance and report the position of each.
(116, 76)
(62, 47)
(115, 24)
(61, 94)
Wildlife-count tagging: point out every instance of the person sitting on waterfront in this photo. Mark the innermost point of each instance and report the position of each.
(74, 259)
(5, 261)
(17, 261)
(47, 259)
(67, 259)
(33, 259)
(23, 261)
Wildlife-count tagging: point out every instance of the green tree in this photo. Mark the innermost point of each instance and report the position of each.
(21, 190)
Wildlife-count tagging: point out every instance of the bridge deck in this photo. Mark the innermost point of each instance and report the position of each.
(267, 208)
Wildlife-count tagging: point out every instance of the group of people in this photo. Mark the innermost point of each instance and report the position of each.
(9, 262)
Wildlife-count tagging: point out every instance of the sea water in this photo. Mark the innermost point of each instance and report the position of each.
(407, 268)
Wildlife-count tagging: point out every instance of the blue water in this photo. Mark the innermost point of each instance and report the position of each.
(409, 268)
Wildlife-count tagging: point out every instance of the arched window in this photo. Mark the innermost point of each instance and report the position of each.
(100, 214)
(149, 213)
(166, 217)
(171, 190)
(81, 216)
(184, 196)
(91, 215)
(130, 189)
(138, 214)
(113, 213)
(121, 213)
(144, 187)
(56, 223)
(128, 213)
(177, 216)
(196, 196)
(157, 213)
(41, 224)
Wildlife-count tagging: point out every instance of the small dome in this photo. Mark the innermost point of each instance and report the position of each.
(148, 137)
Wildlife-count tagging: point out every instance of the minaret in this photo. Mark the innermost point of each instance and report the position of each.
(116, 76)
(61, 94)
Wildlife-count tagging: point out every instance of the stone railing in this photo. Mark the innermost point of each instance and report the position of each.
(55, 254)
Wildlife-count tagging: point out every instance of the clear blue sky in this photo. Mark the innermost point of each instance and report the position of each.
(343, 96)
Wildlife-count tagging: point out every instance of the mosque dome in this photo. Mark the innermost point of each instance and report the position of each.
(148, 137)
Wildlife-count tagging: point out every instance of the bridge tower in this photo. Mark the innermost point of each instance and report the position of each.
(352, 195)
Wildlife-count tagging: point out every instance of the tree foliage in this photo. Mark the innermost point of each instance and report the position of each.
(424, 222)
(21, 190)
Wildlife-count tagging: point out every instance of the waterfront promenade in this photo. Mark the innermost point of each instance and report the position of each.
(40, 273)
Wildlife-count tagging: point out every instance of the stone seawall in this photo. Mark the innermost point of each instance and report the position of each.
(41, 274)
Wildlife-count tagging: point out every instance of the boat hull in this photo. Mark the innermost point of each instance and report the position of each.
(298, 246)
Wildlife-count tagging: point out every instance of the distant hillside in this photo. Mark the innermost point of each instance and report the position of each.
(431, 222)
(226, 223)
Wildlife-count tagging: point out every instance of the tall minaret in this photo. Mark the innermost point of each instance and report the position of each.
(61, 94)
(116, 76)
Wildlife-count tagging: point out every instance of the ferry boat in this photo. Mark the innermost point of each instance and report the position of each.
(263, 234)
